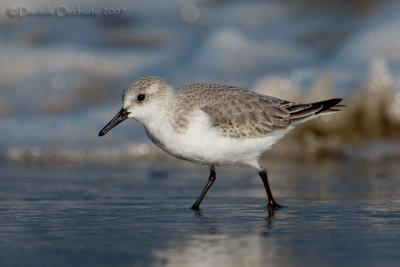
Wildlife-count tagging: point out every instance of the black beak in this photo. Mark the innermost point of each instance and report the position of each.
(120, 117)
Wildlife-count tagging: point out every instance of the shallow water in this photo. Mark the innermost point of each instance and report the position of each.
(334, 215)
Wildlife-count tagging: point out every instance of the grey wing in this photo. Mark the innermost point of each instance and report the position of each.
(239, 113)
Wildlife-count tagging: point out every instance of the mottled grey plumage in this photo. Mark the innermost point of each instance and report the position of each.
(238, 113)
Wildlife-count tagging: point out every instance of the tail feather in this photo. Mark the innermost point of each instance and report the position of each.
(303, 112)
(327, 104)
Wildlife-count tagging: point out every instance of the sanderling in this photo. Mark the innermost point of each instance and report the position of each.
(214, 124)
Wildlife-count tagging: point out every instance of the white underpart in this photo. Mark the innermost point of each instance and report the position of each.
(202, 143)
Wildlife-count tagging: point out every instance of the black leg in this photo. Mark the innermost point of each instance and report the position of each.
(211, 179)
(272, 205)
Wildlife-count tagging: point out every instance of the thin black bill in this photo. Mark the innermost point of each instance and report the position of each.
(120, 117)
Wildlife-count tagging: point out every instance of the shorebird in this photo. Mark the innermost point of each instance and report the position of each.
(214, 124)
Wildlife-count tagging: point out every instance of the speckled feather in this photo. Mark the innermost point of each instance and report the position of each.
(238, 113)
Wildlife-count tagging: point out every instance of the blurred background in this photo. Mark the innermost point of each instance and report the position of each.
(71, 198)
(62, 74)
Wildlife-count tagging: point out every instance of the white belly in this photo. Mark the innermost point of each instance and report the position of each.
(203, 144)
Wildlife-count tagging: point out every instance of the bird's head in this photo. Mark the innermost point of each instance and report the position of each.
(141, 99)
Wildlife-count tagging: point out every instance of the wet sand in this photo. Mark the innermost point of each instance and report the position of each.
(335, 215)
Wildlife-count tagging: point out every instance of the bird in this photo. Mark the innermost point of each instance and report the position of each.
(214, 125)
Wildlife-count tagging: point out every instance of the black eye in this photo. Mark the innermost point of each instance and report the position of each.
(141, 97)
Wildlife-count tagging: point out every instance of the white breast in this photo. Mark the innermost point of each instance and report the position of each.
(201, 143)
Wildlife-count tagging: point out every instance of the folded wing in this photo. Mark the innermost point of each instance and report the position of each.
(238, 113)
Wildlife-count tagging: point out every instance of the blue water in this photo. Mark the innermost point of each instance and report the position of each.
(334, 215)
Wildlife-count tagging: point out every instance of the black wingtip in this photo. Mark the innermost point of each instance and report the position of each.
(327, 104)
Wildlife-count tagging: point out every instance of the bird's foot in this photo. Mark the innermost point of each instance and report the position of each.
(272, 206)
(195, 207)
